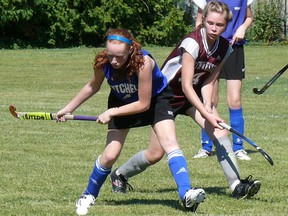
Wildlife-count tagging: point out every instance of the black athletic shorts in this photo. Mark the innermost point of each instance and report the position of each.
(234, 67)
(160, 109)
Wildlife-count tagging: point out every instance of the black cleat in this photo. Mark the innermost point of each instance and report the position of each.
(119, 183)
(246, 188)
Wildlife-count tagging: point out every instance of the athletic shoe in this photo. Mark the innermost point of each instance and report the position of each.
(246, 188)
(242, 155)
(82, 205)
(202, 153)
(193, 198)
(119, 183)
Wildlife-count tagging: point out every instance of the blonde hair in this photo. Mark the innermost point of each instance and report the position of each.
(218, 7)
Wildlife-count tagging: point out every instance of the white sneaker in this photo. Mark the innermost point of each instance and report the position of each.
(202, 153)
(84, 203)
(242, 155)
(193, 198)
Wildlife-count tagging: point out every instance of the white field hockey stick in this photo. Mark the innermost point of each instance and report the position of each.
(227, 127)
(46, 116)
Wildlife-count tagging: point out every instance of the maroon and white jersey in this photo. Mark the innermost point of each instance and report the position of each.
(206, 61)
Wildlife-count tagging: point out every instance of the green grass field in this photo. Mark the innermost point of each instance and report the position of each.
(45, 166)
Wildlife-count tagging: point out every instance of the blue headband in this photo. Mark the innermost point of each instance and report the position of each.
(119, 38)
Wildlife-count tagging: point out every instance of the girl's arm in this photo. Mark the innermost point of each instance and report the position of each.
(199, 17)
(208, 89)
(91, 88)
(188, 63)
(241, 30)
(144, 95)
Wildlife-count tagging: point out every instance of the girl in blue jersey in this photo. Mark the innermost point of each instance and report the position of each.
(233, 71)
(139, 96)
(192, 69)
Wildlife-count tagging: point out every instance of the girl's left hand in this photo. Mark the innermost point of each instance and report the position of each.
(239, 35)
(104, 118)
(214, 120)
(208, 108)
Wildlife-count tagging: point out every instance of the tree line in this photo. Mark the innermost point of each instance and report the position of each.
(70, 23)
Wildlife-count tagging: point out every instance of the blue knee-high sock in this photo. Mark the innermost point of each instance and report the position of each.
(97, 178)
(237, 122)
(206, 141)
(179, 170)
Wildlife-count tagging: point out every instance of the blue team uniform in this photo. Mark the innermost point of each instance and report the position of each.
(126, 90)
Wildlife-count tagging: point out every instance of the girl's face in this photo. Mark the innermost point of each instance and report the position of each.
(215, 24)
(117, 53)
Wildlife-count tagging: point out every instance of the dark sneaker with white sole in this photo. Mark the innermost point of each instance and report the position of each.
(119, 183)
(246, 188)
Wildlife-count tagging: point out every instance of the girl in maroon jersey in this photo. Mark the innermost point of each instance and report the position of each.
(192, 69)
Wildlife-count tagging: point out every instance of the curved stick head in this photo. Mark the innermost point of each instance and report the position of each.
(256, 91)
(267, 157)
(12, 109)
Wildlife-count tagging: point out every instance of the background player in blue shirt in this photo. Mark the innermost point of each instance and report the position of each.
(233, 71)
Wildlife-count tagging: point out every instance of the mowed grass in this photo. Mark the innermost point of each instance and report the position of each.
(45, 166)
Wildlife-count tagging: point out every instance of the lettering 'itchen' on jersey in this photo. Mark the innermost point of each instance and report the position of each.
(126, 90)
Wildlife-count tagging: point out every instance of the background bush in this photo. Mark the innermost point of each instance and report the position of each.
(269, 21)
(66, 23)
(70, 23)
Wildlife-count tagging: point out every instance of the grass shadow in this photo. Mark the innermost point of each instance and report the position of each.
(175, 204)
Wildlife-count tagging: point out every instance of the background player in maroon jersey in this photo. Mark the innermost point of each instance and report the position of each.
(192, 69)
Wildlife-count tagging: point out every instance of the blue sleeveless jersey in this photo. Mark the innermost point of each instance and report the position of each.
(238, 9)
(127, 90)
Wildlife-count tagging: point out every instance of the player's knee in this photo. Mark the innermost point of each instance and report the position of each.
(154, 156)
(220, 133)
(235, 103)
(108, 159)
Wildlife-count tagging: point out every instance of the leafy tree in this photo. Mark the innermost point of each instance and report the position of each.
(66, 23)
(268, 22)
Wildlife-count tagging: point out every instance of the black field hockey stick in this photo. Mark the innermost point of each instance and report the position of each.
(227, 127)
(273, 79)
(46, 116)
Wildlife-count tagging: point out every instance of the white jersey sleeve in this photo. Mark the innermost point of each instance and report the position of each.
(191, 46)
(201, 3)
(172, 66)
(249, 2)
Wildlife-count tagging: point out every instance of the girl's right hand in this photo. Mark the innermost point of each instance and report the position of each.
(60, 116)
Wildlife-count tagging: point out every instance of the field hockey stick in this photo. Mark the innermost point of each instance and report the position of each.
(46, 116)
(229, 128)
(273, 79)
